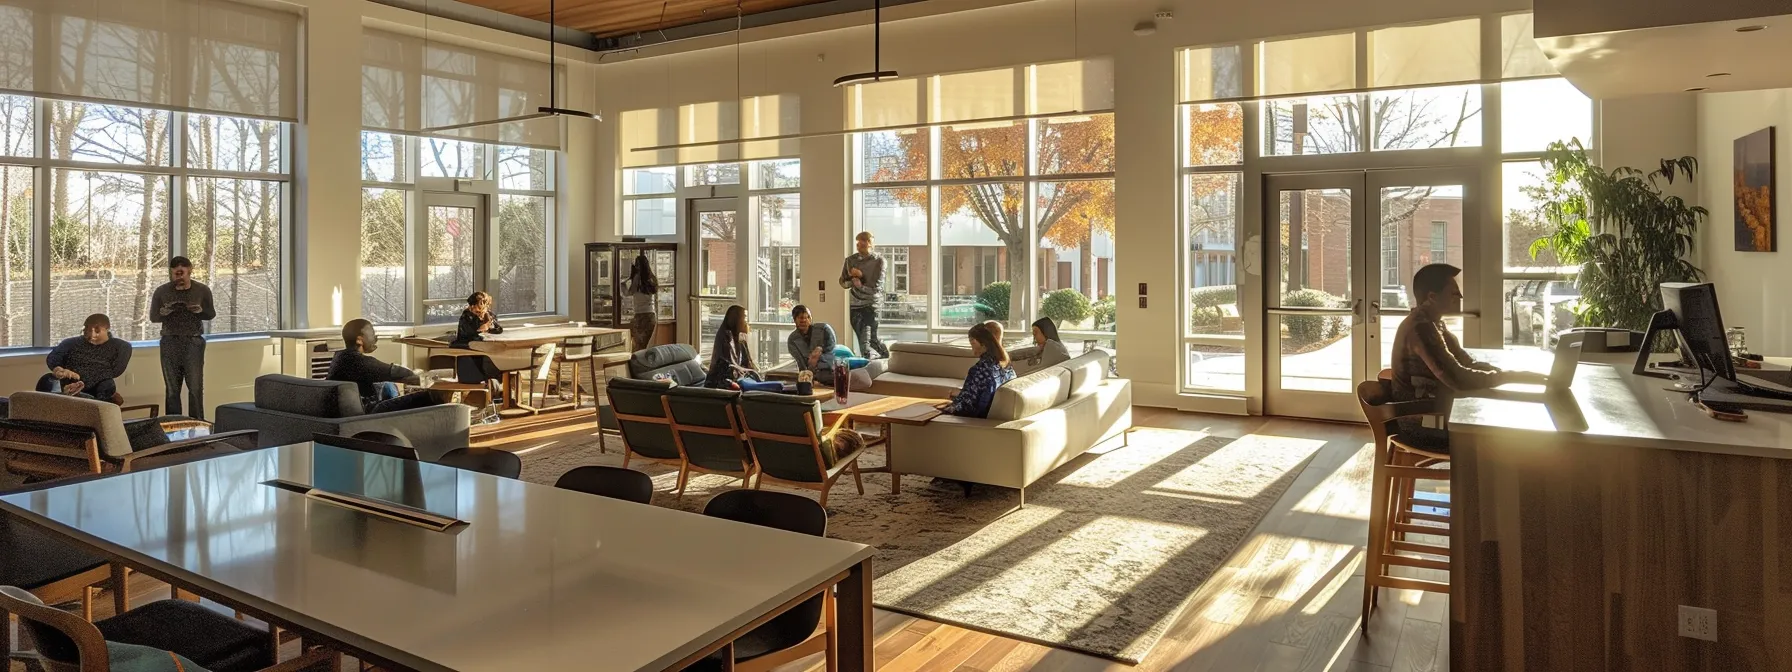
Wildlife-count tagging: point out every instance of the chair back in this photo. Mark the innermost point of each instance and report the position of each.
(307, 397)
(485, 461)
(791, 513)
(106, 421)
(641, 415)
(61, 636)
(367, 445)
(1376, 397)
(613, 482)
(706, 424)
(577, 347)
(784, 433)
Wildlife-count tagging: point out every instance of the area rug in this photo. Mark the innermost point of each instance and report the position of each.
(1102, 559)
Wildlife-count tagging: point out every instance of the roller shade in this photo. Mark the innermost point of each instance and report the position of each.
(411, 85)
(1212, 73)
(1436, 53)
(211, 56)
(1071, 86)
(709, 122)
(884, 104)
(1519, 54)
(1079, 86)
(1306, 65)
(649, 128)
(766, 117)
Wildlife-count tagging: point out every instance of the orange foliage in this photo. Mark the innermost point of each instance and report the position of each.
(1754, 206)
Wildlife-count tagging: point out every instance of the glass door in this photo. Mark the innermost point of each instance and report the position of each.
(453, 252)
(716, 244)
(1339, 272)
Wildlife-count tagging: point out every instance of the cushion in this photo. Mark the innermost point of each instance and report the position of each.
(1030, 394)
(1087, 371)
(217, 641)
(134, 658)
(842, 352)
(931, 360)
(676, 360)
(856, 362)
(102, 417)
(307, 397)
(145, 434)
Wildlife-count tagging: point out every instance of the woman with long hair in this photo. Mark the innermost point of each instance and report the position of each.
(730, 359)
(991, 371)
(475, 322)
(642, 291)
(1048, 349)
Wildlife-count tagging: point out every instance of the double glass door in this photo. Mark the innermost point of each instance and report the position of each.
(1340, 252)
(715, 243)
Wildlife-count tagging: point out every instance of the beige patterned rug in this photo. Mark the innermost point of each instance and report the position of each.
(1102, 559)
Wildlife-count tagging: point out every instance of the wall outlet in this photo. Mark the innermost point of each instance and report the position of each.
(1698, 623)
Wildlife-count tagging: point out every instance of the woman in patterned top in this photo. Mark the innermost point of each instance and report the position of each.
(990, 372)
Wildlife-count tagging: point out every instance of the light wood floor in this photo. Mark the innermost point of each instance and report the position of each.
(1287, 600)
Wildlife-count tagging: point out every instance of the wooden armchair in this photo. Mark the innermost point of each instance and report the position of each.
(159, 631)
(53, 436)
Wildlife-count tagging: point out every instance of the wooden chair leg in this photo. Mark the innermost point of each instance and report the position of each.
(831, 620)
(6, 639)
(856, 479)
(87, 603)
(575, 384)
(121, 589)
(684, 474)
(1378, 509)
(626, 453)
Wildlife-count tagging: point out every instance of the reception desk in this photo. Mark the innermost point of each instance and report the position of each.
(1582, 522)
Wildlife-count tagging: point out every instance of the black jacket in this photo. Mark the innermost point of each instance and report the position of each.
(468, 331)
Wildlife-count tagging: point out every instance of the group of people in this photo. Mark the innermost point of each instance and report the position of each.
(90, 364)
(377, 381)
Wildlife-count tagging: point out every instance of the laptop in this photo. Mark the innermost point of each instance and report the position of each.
(1561, 373)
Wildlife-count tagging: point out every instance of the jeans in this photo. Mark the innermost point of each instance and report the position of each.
(864, 325)
(102, 390)
(418, 399)
(183, 362)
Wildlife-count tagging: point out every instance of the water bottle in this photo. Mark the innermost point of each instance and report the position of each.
(841, 374)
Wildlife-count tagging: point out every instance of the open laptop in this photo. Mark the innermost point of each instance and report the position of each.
(1561, 373)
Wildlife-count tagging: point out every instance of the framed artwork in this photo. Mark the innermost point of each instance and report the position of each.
(1756, 227)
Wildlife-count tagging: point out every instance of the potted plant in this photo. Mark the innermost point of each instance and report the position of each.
(1623, 233)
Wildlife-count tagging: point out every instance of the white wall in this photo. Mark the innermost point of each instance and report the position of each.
(327, 196)
(1751, 286)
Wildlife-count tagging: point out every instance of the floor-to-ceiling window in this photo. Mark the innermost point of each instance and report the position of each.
(992, 200)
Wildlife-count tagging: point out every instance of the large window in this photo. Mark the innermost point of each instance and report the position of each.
(121, 202)
(1212, 189)
(402, 236)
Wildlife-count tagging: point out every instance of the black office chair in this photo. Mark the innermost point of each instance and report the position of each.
(377, 443)
(485, 461)
(790, 635)
(206, 638)
(613, 482)
(50, 568)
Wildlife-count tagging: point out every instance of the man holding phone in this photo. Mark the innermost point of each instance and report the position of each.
(182, 306)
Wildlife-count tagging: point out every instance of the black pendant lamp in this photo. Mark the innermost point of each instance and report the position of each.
(552, 107)
(877, 32)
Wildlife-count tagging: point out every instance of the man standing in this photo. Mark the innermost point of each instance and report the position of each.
(182, 307)
(863, 278)
(88, 364)
(811, 345)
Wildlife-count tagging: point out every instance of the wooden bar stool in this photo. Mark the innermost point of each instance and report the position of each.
(1400, 463)
(576, 352)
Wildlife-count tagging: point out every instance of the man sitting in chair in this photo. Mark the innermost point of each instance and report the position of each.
(87, 365)
(353, 364)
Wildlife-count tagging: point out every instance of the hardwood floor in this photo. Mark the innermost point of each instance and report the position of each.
(1287, 600)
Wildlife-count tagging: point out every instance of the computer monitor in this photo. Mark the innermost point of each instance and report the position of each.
(1695, 318)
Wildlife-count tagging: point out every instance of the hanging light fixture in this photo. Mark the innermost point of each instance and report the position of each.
(877, 34)
(543, 112)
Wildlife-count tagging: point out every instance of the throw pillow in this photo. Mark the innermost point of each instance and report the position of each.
(144, 434)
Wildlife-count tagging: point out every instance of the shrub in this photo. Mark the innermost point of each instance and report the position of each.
(1204, 312)
(1065, 306)
(1305, 330)
(992, 301)
(1104, 312)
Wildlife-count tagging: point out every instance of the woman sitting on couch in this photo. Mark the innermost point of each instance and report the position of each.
(991, 371)
(731, 361)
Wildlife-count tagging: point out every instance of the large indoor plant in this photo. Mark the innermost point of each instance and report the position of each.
(1619, 228)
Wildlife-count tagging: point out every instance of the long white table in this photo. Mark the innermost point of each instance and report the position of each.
(537, 579)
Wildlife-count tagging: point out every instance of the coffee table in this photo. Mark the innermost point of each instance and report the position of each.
(882, 410)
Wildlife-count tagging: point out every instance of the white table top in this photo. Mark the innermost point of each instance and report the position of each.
(540, 578)
(1610, 405)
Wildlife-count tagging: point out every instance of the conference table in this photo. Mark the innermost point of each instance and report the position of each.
(529, 578)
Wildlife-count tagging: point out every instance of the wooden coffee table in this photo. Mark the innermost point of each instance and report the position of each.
(884, 411)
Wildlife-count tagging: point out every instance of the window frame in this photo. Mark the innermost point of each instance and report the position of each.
(178, 171)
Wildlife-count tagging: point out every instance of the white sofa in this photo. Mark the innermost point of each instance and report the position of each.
(1037, 423)
(932, 370)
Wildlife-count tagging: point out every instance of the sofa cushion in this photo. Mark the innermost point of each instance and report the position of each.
(1087, 371)
(102, 417)
(931, 360)
(903, 385)
(677, 360)
(1031, 394)
(307, 397)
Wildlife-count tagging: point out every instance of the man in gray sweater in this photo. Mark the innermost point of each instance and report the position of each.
(87, 365)
(863, 278)
(182, 307)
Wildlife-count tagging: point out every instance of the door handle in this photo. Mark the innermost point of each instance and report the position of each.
(1374, 312)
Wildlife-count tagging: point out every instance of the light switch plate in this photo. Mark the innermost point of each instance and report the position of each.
(1698, 623)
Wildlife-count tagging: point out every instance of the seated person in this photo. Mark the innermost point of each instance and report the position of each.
(353, 364)
(1429, 362)
(991, 371)
(730, 360)
(1048, 349)
(811, 345)
(87, 365)
(475, 322)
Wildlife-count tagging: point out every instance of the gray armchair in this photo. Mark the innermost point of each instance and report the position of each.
(48, 436)
(289, 410)
(676, 360)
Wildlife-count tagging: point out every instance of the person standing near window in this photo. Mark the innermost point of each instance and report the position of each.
(862, 276)
(643, 294)
(182, 307)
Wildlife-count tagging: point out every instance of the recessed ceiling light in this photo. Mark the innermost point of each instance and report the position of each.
(1751, 29)
(1718, 74)
(1696, 88)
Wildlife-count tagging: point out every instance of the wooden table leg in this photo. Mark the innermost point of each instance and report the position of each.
(890, 460)
(853, 609)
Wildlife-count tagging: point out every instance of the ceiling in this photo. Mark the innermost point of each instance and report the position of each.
(611, 18)
(1703, 56)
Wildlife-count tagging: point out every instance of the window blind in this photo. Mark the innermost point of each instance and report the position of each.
(1435, 53)
(709, 122)
(656, 127)
(1519, 54)
(414, 86)
(1070, 86)
(1212, 73)
(895, 102)
(1079, 86)
(212, 56)
(766, 117)
(1306, 65)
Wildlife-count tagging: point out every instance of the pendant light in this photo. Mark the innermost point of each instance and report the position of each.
(877, 34)
(551, 108)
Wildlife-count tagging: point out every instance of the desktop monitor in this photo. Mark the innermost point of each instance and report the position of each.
(1700, 326)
